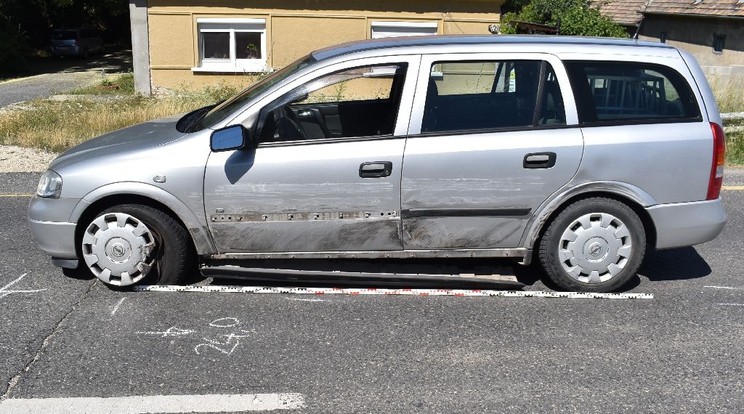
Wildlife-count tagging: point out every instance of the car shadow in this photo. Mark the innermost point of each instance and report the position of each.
(674, 264)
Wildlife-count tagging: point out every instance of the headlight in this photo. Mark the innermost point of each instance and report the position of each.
(50, 185)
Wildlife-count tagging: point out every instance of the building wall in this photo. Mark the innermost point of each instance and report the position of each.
(695, 35)
(293, 29)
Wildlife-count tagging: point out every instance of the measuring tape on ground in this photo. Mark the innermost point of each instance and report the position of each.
(390, 292)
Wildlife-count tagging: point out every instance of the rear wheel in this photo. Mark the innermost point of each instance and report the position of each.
(128, 244)
(594, 245)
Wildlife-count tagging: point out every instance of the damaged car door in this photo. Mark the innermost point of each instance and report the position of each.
(492, 137)
(325, 175)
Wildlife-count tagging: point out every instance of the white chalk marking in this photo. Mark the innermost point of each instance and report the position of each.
(390, 292)
(215, 403)
(228, 322)
(116, 308)
(722, 287)
(5, 292)
(730, 304)
(172, 331)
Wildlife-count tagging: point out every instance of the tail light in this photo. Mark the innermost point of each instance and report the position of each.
(719, 155)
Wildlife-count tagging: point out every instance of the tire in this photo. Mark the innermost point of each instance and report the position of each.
(593, 245)
(129, 244)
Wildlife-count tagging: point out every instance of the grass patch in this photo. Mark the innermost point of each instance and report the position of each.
(735, 148)
(111, 85)
(57, 126)
(727, 91)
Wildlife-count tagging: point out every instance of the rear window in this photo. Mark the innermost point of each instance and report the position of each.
(622, 92)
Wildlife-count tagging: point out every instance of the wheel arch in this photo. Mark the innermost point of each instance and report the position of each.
(125, 193)
(632, 196)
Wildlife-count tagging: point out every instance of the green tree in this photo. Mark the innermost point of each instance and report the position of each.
(575, 17)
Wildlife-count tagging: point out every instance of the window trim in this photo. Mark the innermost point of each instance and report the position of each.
(276, 103)
(545, 65)
(586, 106)
(232, 64)
(417, 111)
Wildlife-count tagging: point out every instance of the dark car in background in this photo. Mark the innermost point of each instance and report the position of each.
(75, 42)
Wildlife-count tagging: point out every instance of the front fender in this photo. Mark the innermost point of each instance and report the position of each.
(196, 227)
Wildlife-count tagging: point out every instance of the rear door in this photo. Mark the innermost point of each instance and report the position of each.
(495, 135)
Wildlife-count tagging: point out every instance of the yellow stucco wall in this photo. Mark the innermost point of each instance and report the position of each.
(293, 28)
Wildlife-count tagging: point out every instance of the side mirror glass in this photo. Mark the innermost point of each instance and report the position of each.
(230, 138)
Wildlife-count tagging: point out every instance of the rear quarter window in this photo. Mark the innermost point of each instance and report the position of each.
(609, 93)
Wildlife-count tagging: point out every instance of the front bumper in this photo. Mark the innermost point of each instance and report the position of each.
(687, 224)
(54, 238)
(49, 220)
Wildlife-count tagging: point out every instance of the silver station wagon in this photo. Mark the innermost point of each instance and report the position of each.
(577, 153)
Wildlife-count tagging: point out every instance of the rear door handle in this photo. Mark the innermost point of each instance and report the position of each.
(539, 160)
(375, 169)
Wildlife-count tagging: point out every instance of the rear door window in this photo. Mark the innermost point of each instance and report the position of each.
(623, 92)
(484, 95)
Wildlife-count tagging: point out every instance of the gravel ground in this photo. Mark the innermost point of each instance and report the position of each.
(18, 159)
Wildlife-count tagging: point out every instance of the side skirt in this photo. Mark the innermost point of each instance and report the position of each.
(519, 253)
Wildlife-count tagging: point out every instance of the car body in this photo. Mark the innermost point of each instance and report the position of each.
(75, 42)
(581, 151)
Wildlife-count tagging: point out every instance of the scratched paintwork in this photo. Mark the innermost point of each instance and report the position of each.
(481, 171)
(303, 216)
(341, 235)
(303, 181)
(462, 232)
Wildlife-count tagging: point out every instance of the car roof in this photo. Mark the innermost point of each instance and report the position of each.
(398, 43)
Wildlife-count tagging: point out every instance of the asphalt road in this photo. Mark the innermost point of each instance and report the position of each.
(51, 76)
(679, 352)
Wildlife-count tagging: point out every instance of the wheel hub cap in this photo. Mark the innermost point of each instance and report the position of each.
(595, 247)
(118, 249)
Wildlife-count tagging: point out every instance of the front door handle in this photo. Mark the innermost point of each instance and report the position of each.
(375, 169)
(539, 160)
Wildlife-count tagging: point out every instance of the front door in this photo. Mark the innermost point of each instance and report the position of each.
(326, 174)
(495, 137)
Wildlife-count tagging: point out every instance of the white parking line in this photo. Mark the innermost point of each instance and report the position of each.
(389, 292)
(215, 403)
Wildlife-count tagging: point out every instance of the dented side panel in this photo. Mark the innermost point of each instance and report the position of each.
(473, 191)
(304, 197)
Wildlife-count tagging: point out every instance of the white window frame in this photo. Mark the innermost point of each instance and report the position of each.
(387, 29)
(231, 26)
(390, 29)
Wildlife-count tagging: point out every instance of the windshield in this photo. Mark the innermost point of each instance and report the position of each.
(222, 111)
(64, 35)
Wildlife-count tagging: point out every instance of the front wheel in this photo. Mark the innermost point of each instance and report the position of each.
(127, 244)
(594, 245)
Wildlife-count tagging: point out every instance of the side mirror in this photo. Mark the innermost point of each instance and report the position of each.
(230, 138)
